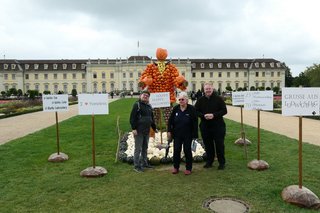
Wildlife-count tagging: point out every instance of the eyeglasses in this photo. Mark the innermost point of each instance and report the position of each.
(181, 99)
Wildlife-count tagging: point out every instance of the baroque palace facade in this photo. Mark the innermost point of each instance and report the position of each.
(106, 75)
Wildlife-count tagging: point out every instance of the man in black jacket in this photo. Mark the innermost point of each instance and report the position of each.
(211, 108)
(141, 119)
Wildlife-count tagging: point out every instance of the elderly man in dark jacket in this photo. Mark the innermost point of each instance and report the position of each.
(211, 108)
(141, 119)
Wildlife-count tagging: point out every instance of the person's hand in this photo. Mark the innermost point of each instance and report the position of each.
(209, 116)
(134, 132)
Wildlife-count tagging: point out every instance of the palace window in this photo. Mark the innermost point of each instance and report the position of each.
(74, 66)
(202, 65)
(36, 66)
(13, 66)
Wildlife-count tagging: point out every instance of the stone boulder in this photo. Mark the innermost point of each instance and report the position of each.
(55, 157)
(258, 165)
(301, 197)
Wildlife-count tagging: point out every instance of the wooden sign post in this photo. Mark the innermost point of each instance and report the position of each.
(157, 101)
(300, 102)
(93, 104)
(56, 103)
(258, 100)
(238, 100)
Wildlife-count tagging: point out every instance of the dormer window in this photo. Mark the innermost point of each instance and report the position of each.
(45, 66)
(13, 66)
(193, 65)
(219, 65)
(211, 65)
(83, 66)
(272, 64)
(236, 65)
(64, 66)
(26, 66)
(278, 64)
(55, 66)
(5, 66)
(263, 65)
(202, 65)
(256, 64)
(74, 66)
(228, 65)
(36, 66)
(245, 65)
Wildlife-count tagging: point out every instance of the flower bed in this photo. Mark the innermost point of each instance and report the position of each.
(156, 150)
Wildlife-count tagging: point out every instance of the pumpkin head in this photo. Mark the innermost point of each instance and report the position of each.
(161, 54)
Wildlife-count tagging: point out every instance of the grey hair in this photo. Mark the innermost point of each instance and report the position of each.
(183, 95)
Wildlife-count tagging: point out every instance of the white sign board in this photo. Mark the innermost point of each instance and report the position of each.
(258, 100)
(161, 99)
(96, 104)
(55, 103)
(300, 101)
(238, 98)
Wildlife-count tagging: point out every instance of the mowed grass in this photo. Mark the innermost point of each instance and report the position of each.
(29, 183)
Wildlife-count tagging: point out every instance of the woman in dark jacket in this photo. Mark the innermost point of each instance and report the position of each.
(182, 128)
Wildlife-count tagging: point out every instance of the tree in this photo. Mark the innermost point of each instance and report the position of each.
(228, 88)
(46, 92)
(288, 76)
(252, 88)
(301, 80)
(276, 90)
(19, 92)
(313, 75)
(74, 93)
(3, 94)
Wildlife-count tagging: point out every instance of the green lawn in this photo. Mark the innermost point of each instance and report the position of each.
(29, 183)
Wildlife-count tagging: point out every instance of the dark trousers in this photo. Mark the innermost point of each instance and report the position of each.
(177, 147)
(213, 139)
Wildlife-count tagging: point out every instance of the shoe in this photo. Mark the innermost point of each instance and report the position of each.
(148, 166)
(207, 166)
(221, 167)
(138, 169)
(175, 171)
(187, 172)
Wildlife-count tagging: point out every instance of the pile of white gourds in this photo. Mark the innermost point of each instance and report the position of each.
(157, 148)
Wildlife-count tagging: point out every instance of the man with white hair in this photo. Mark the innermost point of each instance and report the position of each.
(182, 128)
(211, 108)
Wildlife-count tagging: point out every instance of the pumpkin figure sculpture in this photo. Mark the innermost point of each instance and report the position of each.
(162, 76)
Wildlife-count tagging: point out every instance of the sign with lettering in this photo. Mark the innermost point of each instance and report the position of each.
(55, 103)
(96, 104)
(258, 100)
(160, 99)
(300, 101)
(238, 98)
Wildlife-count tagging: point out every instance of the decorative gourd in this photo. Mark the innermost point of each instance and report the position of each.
(161, 54)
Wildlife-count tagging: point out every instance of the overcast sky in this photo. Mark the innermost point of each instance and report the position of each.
(286, 30)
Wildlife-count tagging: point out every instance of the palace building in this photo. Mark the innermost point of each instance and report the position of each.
(106, 75)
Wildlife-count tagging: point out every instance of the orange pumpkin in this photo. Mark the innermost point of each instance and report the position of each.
(161, 54)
